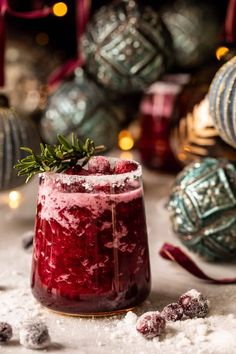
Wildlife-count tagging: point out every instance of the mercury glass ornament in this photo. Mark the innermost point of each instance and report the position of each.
(202, 208)
(14, 133)
(194, 135)
(126, 46)
(222, 94)
(81, 106)
(195, 30)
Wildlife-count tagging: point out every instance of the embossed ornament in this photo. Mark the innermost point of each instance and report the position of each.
(222, 96)
(81, 106)
(202, 207)
(126, 46)
(195, 35)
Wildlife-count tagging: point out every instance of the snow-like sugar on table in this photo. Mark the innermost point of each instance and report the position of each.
(215, 334)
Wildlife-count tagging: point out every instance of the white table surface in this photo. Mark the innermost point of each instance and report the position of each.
(79, 336)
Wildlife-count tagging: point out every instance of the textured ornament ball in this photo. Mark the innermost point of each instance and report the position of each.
(151, 324)
(126, 46)
(80, 106)
(222, 95)
(6, 332)
(14, 133)
(194, 35)
(202, 207)
(34, 335)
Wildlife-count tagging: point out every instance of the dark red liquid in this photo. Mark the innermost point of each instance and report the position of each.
(154, 143)
(90, 250)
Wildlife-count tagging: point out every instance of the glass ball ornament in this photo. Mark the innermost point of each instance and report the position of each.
(195, 30)
(126, 46)
(202, 207)
(15, 132)
(80, 106)
(222, 101)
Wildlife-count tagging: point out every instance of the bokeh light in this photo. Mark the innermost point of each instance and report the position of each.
(14, 199)
(221, 52)
(125, 140)
(60, 9)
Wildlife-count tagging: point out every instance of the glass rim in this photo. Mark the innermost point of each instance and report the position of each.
(112, 178)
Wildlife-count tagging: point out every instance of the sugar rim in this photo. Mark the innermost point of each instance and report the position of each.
(68, 179)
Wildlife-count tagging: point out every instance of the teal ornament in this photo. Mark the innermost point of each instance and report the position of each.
(81, 106)
(126, 46)
(222, 97)
(195, 35)
(202, 207)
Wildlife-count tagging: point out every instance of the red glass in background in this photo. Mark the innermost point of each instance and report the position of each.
(91, 249)
(156, 112)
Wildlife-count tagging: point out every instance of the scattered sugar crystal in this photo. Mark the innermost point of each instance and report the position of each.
(130, 318)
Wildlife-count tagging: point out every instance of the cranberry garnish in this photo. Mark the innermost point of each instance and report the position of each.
(172, 312)
(99, 164)
(194, 304)
(151, 324)
(124, 166)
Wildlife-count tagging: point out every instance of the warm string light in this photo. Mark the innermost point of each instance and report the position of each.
(125, 140)
(60, 9)
(14, 199)
(221, 52)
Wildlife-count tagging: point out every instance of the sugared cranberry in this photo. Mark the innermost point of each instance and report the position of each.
(124, 166)
(99, 164)
(5, 332)
(151, 324)
(194, 304)
(34, 335)
(77, 170)
(172, 312)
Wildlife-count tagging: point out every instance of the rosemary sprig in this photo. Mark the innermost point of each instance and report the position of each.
(58, 157)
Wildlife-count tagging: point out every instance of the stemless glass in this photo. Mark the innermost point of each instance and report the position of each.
(91, 250)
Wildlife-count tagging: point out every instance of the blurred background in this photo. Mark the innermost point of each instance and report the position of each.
(132, 75)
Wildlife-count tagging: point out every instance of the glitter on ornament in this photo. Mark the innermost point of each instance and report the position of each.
(222, 101)
(195, 37)
(202, 207)
(126, 46)
(82, 107)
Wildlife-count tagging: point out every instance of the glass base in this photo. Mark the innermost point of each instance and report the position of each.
(92, 314)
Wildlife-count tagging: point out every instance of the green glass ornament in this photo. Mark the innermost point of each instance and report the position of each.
(195, 35)
(14, 133)
(82, 107)
(126, 46)
(222, 95)
(202, 208)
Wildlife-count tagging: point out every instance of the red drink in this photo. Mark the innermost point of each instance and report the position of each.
(156, 113)
(90, 250)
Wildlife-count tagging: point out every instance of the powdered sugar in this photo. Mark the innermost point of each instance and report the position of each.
(212, 335)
